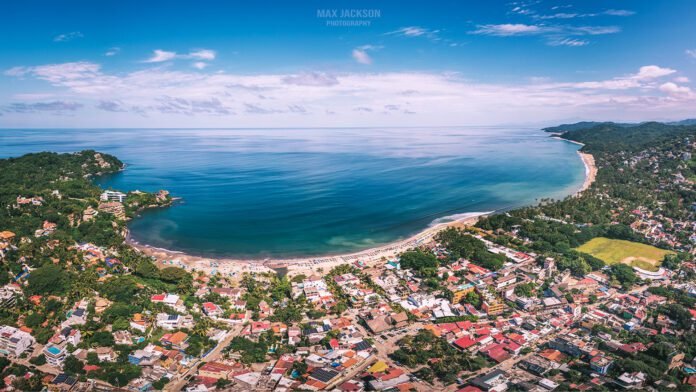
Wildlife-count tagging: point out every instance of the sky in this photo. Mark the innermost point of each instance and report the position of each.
(331, 63)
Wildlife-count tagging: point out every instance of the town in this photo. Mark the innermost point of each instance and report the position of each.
(594, 292)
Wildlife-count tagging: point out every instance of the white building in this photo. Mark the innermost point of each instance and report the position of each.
(13, 341)
(174, 321)
(113, 196)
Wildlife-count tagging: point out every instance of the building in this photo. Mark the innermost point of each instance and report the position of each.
(459, 292)
(55, 354)
(631, 380)
(13, 341)
(113, 196)
(174, 321)
(601, 364)
(493, 308)
(494, 381)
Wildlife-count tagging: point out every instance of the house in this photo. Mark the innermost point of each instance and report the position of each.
(123, 338)
(215, 370)
(493, 381)
(212, 310)
(537, 365)
(232, 294)
(77, 315)
(174, 321)
(14, 341)
(55, 354)
(62, 383)
(601, 364)
(106, 354)
(176, 340)
(139, 323)
(631, 380)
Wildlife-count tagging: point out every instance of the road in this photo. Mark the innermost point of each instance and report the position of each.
(179, 381)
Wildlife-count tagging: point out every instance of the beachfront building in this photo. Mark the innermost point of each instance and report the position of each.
(14, 341)
(113, 196)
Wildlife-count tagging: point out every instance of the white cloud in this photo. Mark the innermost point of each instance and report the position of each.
(68, 36)
(619, 12)
(159, 56)
(682, 79)
(675, 90)
(202, 54)
(507, 29)
(691, 53)
(652, 72)
(416, 31)
(169, 97)
(361, 56)
(112, 51)
(568, 42)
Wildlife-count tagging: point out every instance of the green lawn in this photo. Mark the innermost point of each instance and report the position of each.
(619, 251)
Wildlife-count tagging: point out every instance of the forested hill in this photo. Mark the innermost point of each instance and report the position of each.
(582, 125)
(610, 137)
(41, 173)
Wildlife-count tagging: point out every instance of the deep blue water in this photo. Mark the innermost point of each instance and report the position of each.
(296, 192)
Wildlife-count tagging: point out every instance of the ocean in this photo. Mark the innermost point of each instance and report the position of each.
(284, 193)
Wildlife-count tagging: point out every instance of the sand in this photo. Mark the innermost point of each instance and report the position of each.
(234, 268)
(590, 171)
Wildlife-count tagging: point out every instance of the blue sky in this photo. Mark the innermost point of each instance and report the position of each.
(264, 63)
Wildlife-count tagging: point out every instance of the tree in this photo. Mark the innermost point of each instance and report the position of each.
(624, 274)
(35, 319)
(48, 279)
(72, 365)
(525, 289)
(418, 260)
(38, 360)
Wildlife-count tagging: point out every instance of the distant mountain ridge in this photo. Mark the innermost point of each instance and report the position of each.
(591, 124)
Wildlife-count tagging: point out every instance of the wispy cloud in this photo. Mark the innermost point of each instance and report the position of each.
(112, 51)
(160, 56)
(54, 106)
(509, 29)
(691, 53)
(619, 12)
(68, 36)
(361, 56)
(555, 35)
(416, 31)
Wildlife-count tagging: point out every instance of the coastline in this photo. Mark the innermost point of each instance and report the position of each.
(590, 171)
(235, 268)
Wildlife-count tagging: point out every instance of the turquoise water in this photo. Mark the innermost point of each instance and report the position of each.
(297, 192)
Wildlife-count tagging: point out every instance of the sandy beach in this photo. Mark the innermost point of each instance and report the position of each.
(590, 170)
(235, 268)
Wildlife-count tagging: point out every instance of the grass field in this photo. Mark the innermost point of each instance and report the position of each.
(619, 251)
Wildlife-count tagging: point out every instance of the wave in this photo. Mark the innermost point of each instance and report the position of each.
(457, 217)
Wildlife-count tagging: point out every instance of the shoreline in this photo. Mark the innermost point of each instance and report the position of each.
(230, 267)
(234, 268)
(590, 171)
